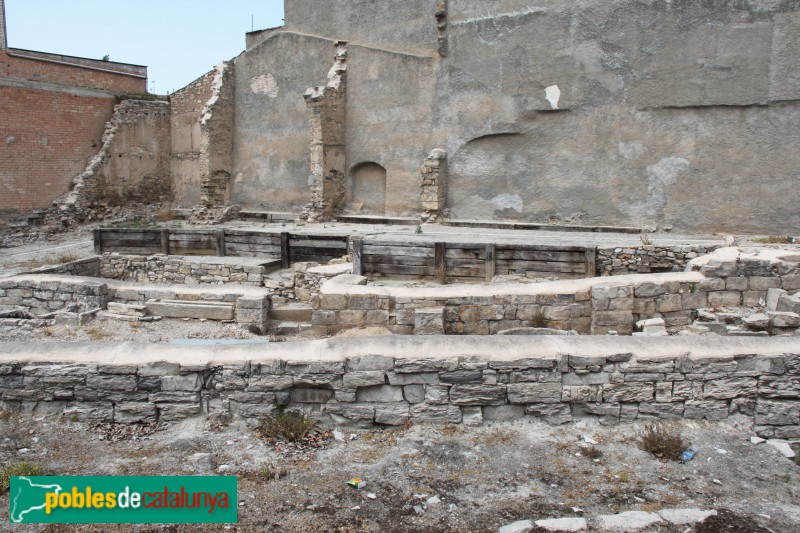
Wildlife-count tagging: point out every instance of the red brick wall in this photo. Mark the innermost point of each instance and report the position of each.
(45, 139)
(74, 76)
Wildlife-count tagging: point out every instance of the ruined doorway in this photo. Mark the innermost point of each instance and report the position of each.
(366, 191)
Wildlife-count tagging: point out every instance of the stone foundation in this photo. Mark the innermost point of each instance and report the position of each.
(380, 381)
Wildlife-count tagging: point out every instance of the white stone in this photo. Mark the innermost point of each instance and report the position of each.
(782, 447)
(685, 516)
(628, 521)
(522, 526)
(563, 524)
(650, 322)
(757, 440)
(773, 296)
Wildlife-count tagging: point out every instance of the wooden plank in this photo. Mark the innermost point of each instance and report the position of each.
(165, 241)
(440, 259)
(358, 254)
(286, 253)
(400, 269)
(97, 237)
(400, 244)
(220, 242)
(591, 262)
(308, 243)
(112, 244)
(233, 249)
(540, 248)
(541, 255)
(477, 254)
(465, 272)
(133, 232)
(540, 266)
(211, 252)
(489, 266)
(134, 250)
(312, 258)
(332, 252)
(237, 234)
(396, 260)
(414, 251)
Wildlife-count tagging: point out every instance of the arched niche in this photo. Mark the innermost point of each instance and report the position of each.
(366, 189)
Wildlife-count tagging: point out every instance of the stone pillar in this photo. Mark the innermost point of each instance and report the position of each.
(3, 37)
(327, 110)
(433, 193)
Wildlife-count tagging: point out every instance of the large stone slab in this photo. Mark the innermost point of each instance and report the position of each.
(189, 309)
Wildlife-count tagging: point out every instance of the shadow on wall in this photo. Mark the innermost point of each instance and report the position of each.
(366, 189)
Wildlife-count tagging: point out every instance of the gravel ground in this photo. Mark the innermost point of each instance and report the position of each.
(430, 478)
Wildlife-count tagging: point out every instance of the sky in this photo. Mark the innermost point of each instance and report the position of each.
(178, 40)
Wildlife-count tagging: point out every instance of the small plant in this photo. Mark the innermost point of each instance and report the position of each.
(269, 471)
(592, 452)
(645, 239)
(291, 426)
(164, 214)
(538, 320)
(23, 468)
(663, 441)
(418, 231)
(97, 334)
(48, 331)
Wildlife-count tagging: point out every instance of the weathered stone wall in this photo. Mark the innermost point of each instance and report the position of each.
(43, 296)
(132, 165)
(620, 382)
(164, 269)
(548, 112)
(647, 259)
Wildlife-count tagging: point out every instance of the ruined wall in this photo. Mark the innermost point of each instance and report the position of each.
(55, 109)
(626, 113)
(407, 27)
(668, 114)
(132, 164)
(272, 136)
(360, 383)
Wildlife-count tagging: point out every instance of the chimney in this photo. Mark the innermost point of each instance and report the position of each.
(3, 38)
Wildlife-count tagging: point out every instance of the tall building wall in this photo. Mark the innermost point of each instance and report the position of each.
(3, 36)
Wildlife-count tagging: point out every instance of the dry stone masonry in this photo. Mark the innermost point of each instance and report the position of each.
(358, 384)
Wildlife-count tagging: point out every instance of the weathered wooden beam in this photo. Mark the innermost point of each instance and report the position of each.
(440, 260)
(591, 262)
(491, 266)
(358, 254)
(285, 251)
(165, 241)
(220, 243)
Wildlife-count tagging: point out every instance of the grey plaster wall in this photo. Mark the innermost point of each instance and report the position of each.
(407, 26)
(680, 113)
(272, 136)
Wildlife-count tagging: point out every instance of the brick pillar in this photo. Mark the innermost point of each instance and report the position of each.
(433, 194)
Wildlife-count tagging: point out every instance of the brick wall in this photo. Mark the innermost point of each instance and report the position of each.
(78, 72)
(46, 137)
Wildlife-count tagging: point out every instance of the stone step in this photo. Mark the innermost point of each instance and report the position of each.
(105, 315)
(289, 328)
(191, 309)
(293, 312)
(126, 309)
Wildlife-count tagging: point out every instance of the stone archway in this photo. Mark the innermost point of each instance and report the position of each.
(366, 189)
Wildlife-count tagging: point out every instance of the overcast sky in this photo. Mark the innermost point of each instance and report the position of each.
(179, 40)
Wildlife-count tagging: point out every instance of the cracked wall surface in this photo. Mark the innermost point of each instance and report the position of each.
(624, 113)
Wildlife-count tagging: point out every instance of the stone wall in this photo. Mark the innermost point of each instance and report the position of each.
(647, 258)
(171, 269)
(364, 382)
(42, 295)
(594, 305)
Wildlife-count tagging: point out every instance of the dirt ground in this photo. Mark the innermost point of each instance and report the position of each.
(428, 478)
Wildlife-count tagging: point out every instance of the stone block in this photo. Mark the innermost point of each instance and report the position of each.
(777, 413)
(669, 303)
(725, 298)
(168, 412)
(429, 321)
(706, 410)
(441, 414)
(427, 378)
(695, 300)
(778, 319)
(423, 365)
(649, 290)
(354, 380)
(333, 302)
(628, 392)
(369, 363)
(462, 376)
(134, 413)
(117, 383)
(90, 411)
(528, 393)
(437, 394)
(478, 394)
(664, 411)
(351, 318)
(190, 382)
(414, 393)
(380, 393)
(310, 395)
(184, 309)
(737, 284)
(556, 414)
(392, 415)
(269, 383)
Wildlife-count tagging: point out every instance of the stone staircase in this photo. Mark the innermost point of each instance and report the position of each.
(290, 318)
